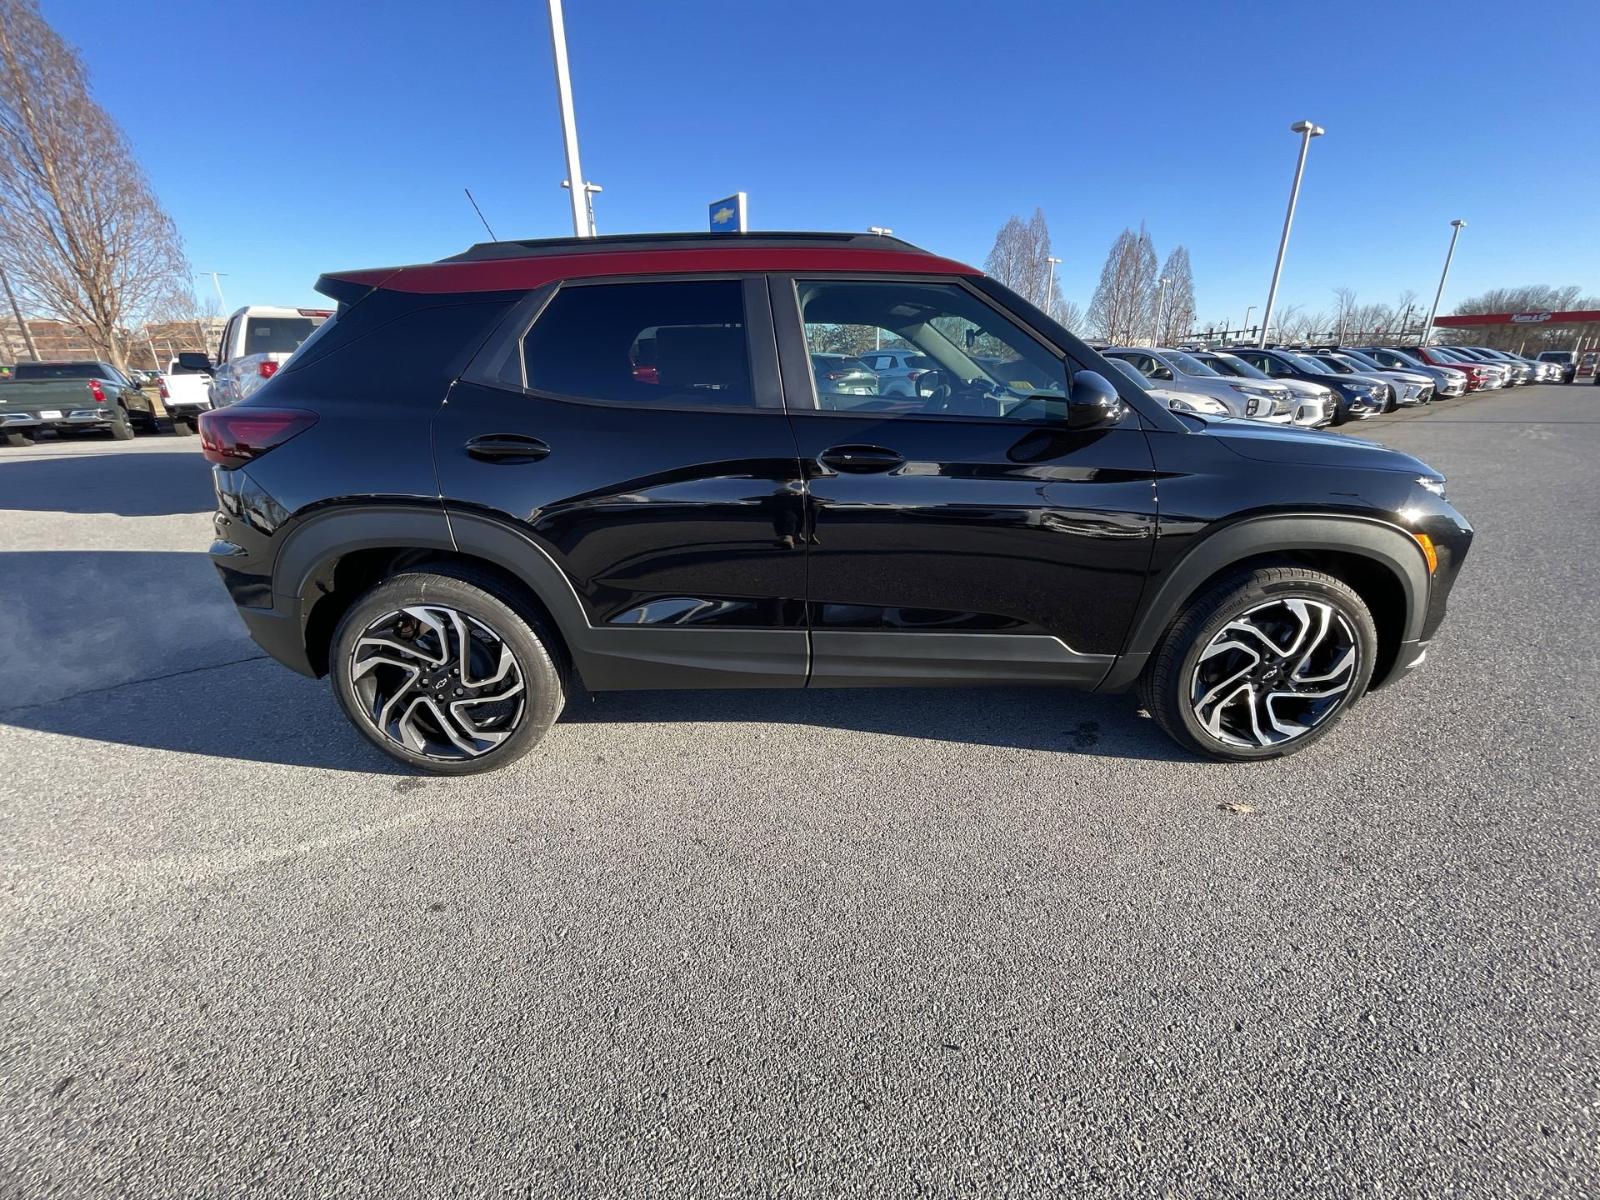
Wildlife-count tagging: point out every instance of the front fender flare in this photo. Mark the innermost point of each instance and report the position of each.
(1379, 541)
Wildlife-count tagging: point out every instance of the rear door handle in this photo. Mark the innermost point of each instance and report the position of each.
(861, 460)
(507, 448)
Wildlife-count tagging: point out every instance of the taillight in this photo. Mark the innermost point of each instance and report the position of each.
(230, 437)
(161, 384)
(97, 391)
(267, 368)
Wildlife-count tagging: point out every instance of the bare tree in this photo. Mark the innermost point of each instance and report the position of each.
(82, 236)
(1020, 259)
(1177, 315)
(1122, 303)
(1069, 315)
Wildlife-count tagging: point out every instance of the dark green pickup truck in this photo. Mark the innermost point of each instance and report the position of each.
(71, 396)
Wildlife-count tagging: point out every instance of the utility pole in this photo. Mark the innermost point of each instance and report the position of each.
(16, 311)
(1456, 227)
(1307, 130)
(582, 224)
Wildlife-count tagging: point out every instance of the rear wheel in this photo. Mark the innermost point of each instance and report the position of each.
(18, 439)
(443, 672)
(182, 426)
(121, 426)
(1262, 665)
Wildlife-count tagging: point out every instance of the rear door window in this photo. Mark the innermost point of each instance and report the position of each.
(676, 343)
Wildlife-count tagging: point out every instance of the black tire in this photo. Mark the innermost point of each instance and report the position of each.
(182, 427)
(1170, 684)
(18, 439)
(121, 426)
(534, 652)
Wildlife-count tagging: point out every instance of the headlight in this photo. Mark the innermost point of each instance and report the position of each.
(1198, 404)
(1434, 485)
(1251, 389)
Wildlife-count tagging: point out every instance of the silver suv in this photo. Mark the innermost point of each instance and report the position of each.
(1181, 372)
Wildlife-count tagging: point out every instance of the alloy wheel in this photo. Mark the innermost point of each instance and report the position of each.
(1274, 673)
(437, 682)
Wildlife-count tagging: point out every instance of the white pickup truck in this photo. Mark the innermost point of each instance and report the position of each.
(186, 390)
(255, 343)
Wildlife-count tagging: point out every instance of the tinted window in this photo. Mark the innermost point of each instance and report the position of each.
(59, 371)
(969, 360)
(671, 343)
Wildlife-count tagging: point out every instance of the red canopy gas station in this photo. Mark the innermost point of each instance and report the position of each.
(1585, 323)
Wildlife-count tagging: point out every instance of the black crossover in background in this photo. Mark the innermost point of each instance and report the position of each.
(638, 463)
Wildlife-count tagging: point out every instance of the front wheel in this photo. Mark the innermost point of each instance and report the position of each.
(1262, 665)
(443, 672)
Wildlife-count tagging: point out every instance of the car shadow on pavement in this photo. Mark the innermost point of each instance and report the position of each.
(143, 648)
(1022, 718)
(250, 710)
(91, 479)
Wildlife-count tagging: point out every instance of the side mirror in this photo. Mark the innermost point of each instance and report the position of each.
(929, 382)
(1093, 402)
(1163, 373)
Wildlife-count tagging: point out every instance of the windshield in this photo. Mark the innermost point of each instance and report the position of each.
(1131, 371)
(277, 335)
(1235, 365)
(1306, 362)
(1399, 357)
(1357, 363)
(1330, 365)
(1187, 363)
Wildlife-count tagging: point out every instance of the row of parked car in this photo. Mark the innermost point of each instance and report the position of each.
(1327, 385)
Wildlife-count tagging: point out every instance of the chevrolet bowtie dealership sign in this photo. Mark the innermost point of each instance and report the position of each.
(729, 215)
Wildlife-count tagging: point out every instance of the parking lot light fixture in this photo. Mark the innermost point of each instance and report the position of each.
(1456, 227)
(581, 225)
(1307, 130)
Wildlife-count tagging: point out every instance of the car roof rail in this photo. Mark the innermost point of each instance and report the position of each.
(539, 247)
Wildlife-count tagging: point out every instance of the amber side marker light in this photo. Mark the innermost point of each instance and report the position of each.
(1428, 552)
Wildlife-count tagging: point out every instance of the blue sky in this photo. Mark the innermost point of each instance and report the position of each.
(292, 138)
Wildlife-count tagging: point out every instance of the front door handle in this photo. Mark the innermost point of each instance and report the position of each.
(507, 448)
(861, 460)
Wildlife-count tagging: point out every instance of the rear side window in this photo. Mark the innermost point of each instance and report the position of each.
(676, 343)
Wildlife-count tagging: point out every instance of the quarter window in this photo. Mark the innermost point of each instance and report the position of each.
(678, 343)
(965, 358)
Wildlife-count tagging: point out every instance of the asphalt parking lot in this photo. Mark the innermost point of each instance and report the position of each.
(899, 943)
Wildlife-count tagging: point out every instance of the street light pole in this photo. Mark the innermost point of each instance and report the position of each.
(1307, 130)
(1456, 227)
(216, 282)
(1050, 284)
(1246, 327)
(1161, 294)
(582, 226)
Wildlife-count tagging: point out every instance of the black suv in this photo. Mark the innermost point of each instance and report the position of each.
(608, 463)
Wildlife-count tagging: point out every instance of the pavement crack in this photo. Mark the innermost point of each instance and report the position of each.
(112, 687)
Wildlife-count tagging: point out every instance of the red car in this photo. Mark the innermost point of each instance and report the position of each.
(1476, 375)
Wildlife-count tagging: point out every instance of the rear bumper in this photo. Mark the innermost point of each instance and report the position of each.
(76, 419)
